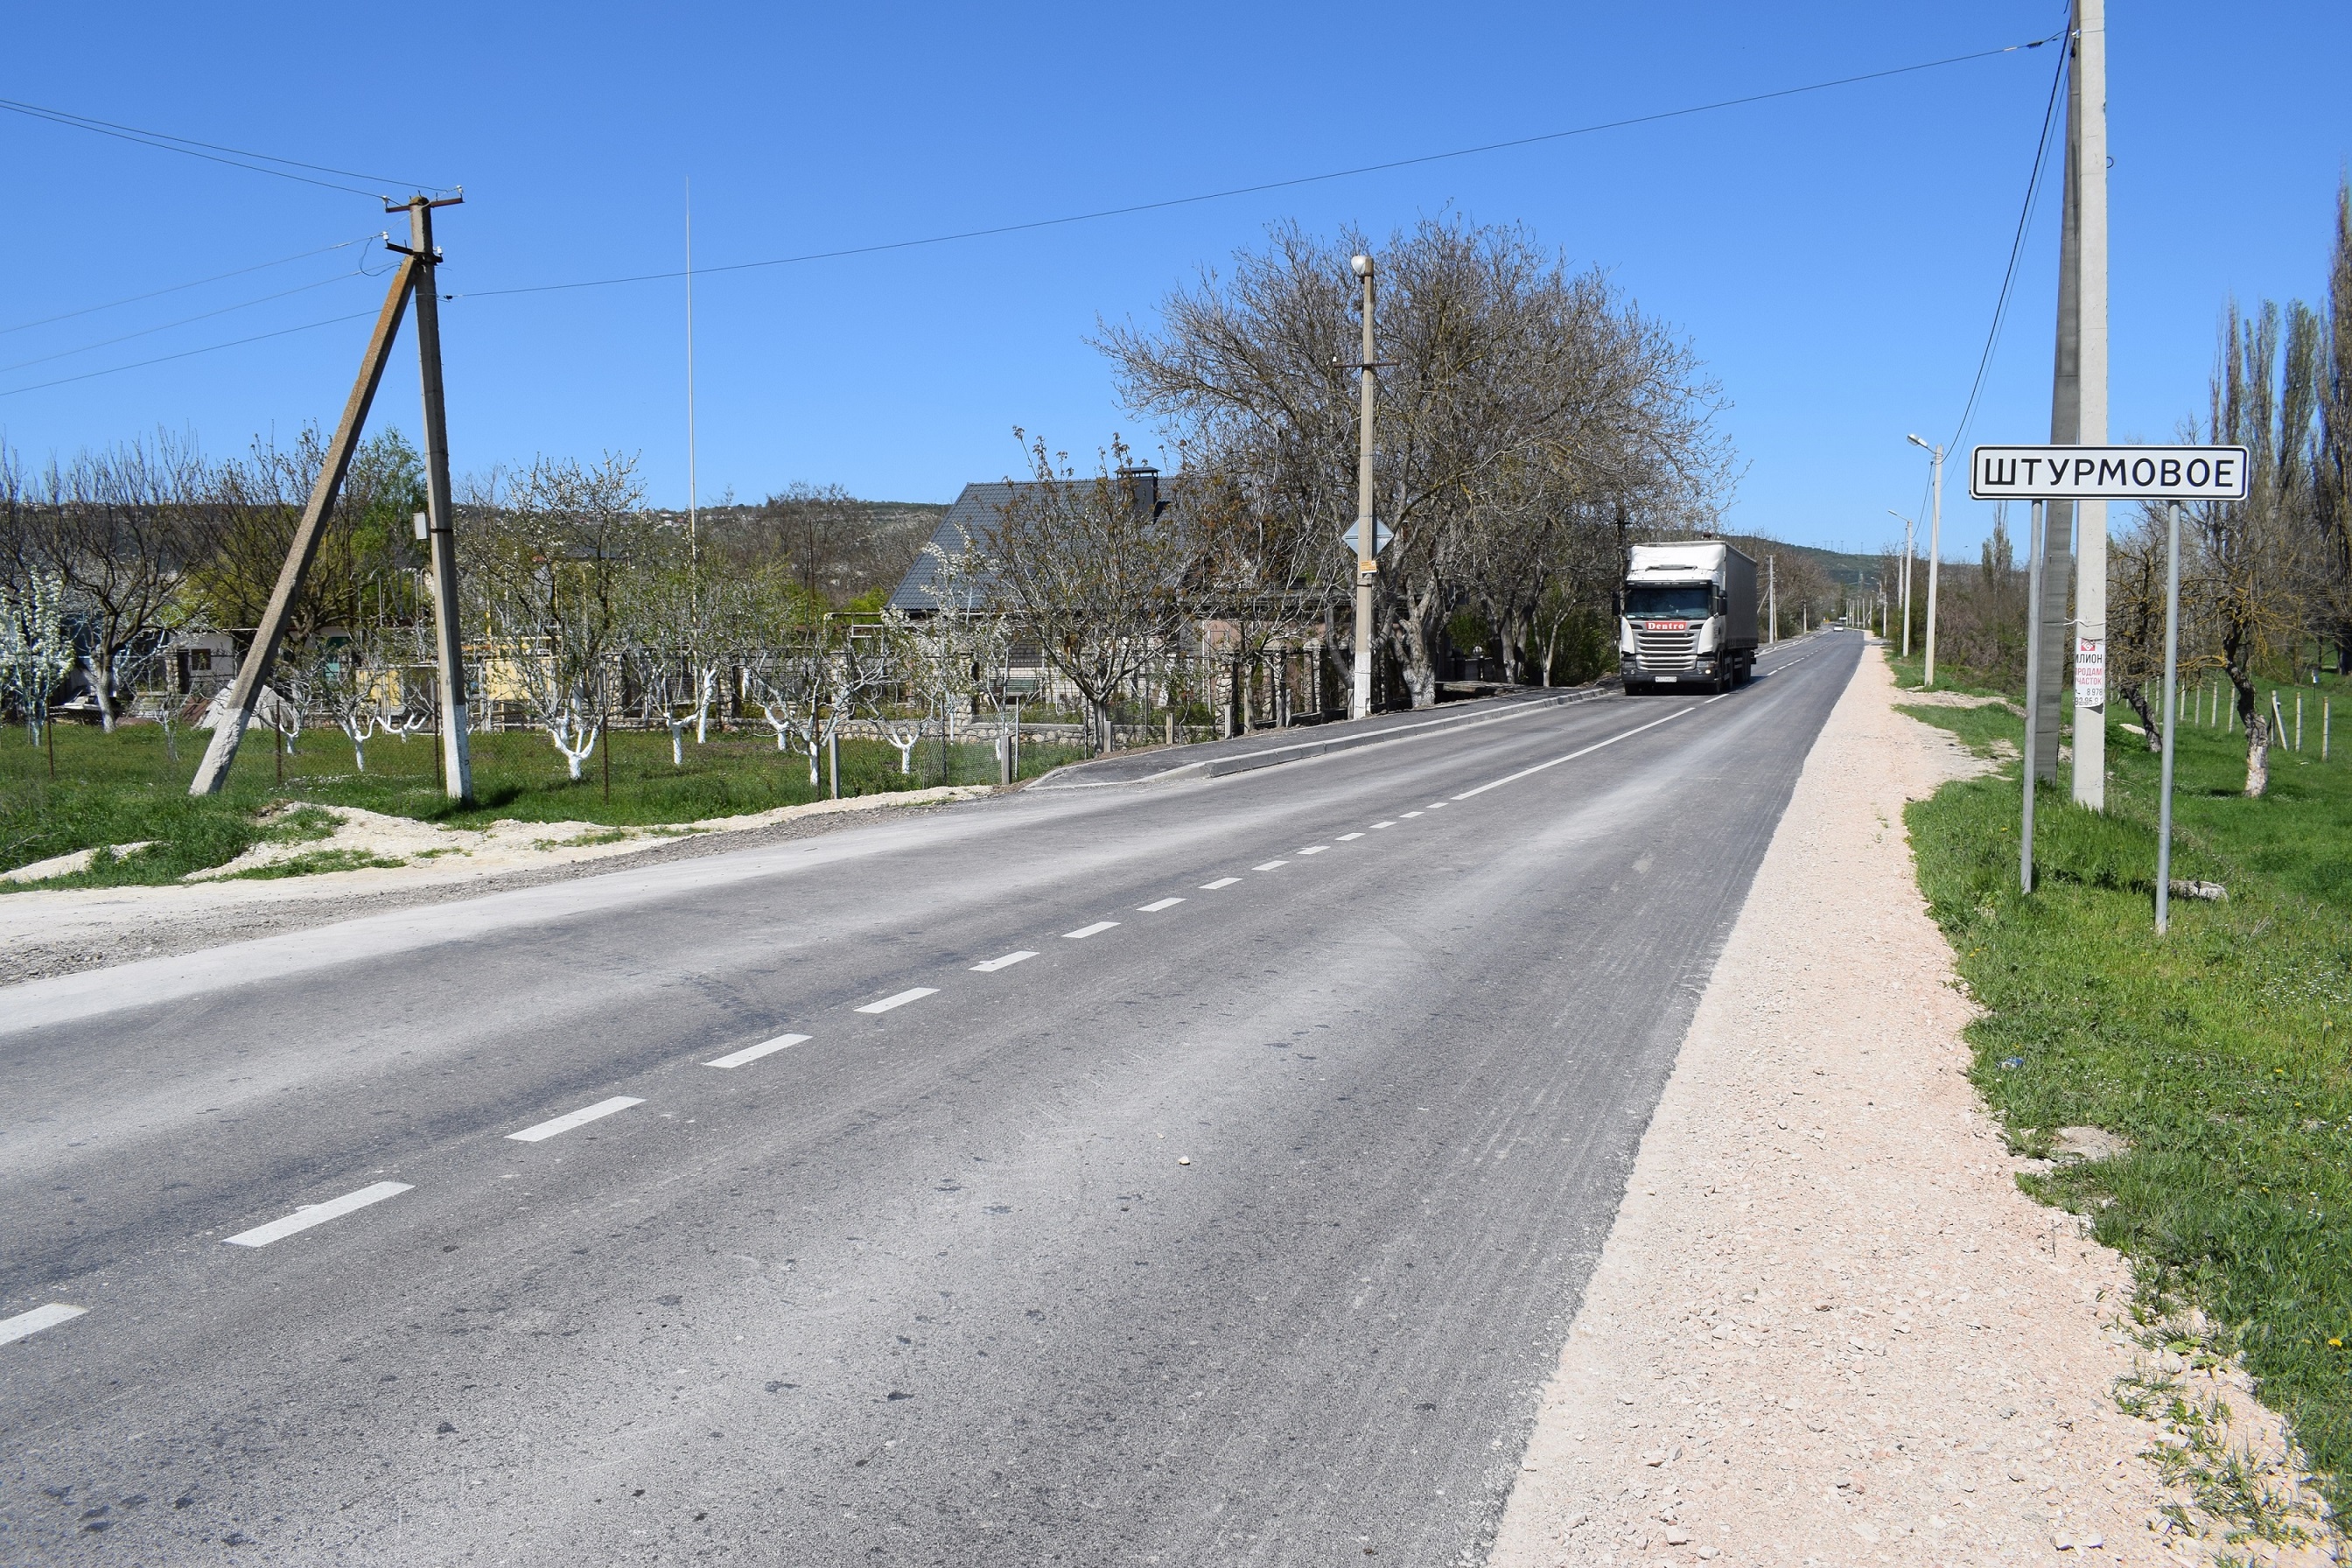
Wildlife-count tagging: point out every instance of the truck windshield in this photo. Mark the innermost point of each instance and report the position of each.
(1676, 601)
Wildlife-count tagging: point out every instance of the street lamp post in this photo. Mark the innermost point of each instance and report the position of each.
(1934, 547)
(1910, 531)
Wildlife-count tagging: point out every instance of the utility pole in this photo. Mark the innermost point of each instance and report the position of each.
(1773, 594)
(2078, 413)
(693, 530)
(448, 644)
(1934, 547)
(254, 670)
(1368, 563)
(1910, 532)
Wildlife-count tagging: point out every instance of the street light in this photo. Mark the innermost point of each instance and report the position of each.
(1910, 531)
(1934, 549)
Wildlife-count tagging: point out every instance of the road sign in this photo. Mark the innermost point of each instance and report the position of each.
(1381, 537)
(2107, 473)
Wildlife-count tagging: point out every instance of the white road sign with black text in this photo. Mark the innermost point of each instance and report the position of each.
(2107, 473)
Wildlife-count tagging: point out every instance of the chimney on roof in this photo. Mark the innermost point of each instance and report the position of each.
(1142, 489)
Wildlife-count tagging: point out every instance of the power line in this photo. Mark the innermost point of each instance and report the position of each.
(1273, 184)
(188, 354)
(186, 321)
(2016, 251)
(198, 283)
(999, 230)
(210, 152)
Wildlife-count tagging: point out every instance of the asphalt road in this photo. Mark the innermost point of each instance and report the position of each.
(1238, 1229)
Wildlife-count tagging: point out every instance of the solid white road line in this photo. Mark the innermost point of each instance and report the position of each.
(1088, 930)
(309, 1215)
(753, 1053)
(575, 1119)
(1388, 824)
(912, 994)
(1155, 909)
(1220, 882)
(1344, 837)
(39, 1318)
(1620, 735)
(1007, 961)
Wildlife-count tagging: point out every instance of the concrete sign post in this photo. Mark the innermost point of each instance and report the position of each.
(2149, 474)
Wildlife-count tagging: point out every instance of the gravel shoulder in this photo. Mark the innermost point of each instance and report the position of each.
(52, 932)
(1827, 1326)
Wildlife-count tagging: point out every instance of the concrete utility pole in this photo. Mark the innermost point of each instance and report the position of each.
(1772, 595)
(2078, 413)
(1934, 547)
(1367, 561)
(693, 530)
(448, 644)
(253, 672)
(1910, 531)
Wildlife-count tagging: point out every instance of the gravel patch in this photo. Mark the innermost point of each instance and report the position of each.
(1827, 1327)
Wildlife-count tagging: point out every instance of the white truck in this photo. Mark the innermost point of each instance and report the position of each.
(1687, 617)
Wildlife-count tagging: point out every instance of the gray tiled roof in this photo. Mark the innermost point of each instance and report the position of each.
(974, 516)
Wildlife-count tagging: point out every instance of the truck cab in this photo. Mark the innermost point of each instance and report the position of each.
(1687, 617)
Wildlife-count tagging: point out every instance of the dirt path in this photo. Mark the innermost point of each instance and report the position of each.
(1828, 1328)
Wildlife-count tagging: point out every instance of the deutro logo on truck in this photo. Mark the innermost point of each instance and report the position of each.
(2107, 473)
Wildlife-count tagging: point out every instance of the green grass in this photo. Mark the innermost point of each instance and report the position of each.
(127, 786)
(2219, 1052)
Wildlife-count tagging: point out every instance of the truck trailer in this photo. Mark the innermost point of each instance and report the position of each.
(1687, 617)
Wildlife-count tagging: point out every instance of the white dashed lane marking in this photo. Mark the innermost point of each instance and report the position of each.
(309, 1215)
(1586, 751)
(1155, 909)
(1413, 814)
(566, 1122)
(1388, 824)
(1098, 926)
(753, 1053)
(1270, 865)
(1344, 837)
(912, 994)
(1434, 805)
(1007, 961)
(1314, 849)
(1220, 882)
(39, 1318)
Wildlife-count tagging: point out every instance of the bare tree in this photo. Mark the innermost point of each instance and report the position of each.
(121, 529)
(2331, 441)
(2264, 401)
(1502, 356)
(34, 650)
(552, 551)
(1092, 570)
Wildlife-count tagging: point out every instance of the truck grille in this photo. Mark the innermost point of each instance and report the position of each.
(1666, 650)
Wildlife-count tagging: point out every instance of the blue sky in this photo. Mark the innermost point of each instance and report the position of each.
(1833, 256)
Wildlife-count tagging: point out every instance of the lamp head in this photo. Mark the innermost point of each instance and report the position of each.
(1918, 443)
(1361, 266)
